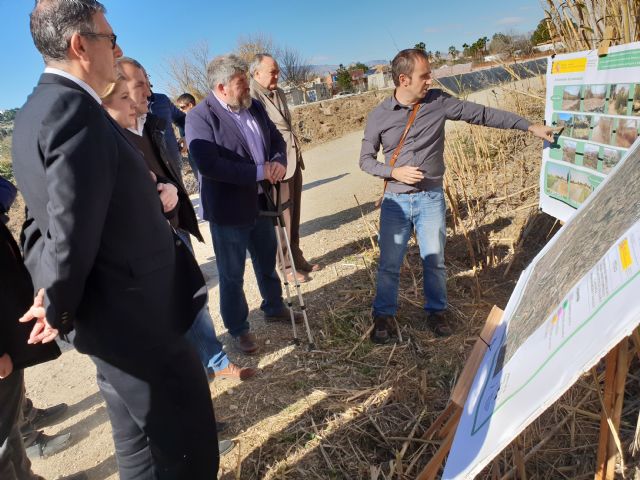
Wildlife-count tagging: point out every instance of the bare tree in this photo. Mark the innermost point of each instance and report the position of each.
(248, 46)
(294, 68)
(188, 73)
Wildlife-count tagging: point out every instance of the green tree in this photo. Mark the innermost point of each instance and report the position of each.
(429, 55)
(453, 51)
(344, 78)
(541, 33)
(359, 66)
(420, 46)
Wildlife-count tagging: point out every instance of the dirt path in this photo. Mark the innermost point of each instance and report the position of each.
(260, 410)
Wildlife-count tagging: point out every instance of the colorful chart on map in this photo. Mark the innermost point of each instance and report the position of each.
(595, 101)
(573, 304)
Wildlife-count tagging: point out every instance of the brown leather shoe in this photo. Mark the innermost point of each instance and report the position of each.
(305, 266)
(284, 316)
(234, 371)
(247, 343)
(302, 277)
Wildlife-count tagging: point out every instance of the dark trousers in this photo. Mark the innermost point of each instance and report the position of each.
(292, 190)
(14, 464)
(161, 414)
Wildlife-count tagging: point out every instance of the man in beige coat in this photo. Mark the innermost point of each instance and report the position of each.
(264, 88)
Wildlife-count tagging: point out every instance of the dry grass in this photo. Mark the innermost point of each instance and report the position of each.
(581, 24)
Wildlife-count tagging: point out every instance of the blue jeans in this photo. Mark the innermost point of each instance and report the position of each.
(202, 337)
(230, 243)
(202, 334)
(399, 215)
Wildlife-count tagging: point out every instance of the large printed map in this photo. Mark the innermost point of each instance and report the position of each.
(575, 302)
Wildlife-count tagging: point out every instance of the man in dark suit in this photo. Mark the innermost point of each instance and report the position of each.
(102, 256)
(236, 146)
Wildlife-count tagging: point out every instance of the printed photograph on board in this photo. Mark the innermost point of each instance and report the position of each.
(594, 98)
(635, 109)
(610, 158)
(601, 129)
(590, 156)
(557, 180)
(581, 127)
(571, 98)
(618, 99)
(565, 122)
(569, 151)
(626, 132)
(579, 186)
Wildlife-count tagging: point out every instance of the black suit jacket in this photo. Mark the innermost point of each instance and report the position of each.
(95, 237)
(228, 188)
(156, 127)
(16, 296)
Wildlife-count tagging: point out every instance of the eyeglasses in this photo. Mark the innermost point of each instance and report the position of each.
(111, 36)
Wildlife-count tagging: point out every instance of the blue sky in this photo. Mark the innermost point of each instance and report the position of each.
(326, 32)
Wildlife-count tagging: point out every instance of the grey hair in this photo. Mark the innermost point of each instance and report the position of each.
(223, 68)
(53, 22)
(130, 61)
(257, 60)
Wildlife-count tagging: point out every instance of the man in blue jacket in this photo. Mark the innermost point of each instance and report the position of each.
(235, 147)
(161, 106)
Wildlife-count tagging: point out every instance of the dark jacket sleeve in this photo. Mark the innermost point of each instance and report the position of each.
(79, 196)
(178, 117)
(213, 159)
(8, 194)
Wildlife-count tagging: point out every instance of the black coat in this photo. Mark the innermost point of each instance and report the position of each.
(95, 237)
(187, 219)
(16, 296)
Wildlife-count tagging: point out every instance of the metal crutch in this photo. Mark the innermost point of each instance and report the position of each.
(275, 211)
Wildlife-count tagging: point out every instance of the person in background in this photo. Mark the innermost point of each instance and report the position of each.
(186, 102)
(161, 106)
(264, 72)
(20, 421)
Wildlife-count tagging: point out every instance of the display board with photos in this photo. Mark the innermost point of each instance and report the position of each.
(595, 103)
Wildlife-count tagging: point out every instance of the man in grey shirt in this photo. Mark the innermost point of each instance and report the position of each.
(414, 197)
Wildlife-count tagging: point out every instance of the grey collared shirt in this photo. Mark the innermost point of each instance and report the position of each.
(424, 145)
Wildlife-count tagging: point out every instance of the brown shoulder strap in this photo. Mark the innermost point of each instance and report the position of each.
(396, 152)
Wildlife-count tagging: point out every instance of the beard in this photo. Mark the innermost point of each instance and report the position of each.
(243, 102)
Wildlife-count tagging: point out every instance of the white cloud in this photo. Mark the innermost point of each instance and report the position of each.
(510, 21)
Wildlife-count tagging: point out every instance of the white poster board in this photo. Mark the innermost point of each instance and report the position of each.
(596, 102)
(574, 303)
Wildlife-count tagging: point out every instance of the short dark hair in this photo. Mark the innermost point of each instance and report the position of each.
(186, 98)
(53, 22)
(404, 63)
